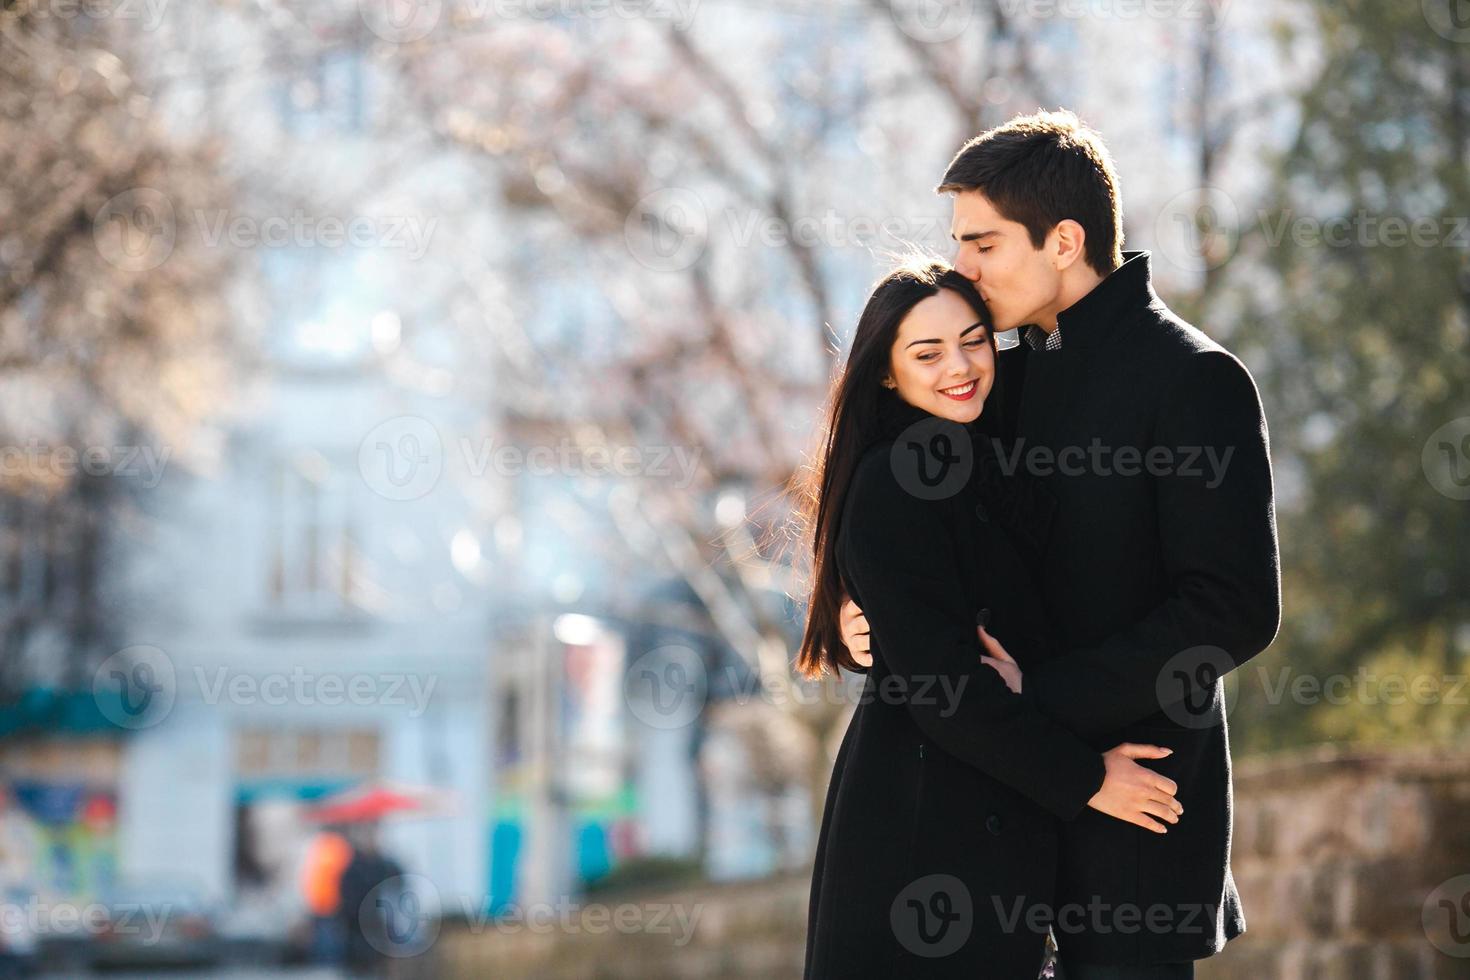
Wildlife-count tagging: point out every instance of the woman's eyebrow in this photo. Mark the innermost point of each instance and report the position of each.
(936, 340)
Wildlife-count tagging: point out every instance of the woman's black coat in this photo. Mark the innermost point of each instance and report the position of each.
(937, 855)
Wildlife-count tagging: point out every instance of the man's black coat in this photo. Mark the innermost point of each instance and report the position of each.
(1161, 574)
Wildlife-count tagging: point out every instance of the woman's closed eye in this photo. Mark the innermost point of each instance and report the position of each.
(972, 344)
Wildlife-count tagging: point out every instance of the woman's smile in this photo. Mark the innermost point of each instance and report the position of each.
(960, 393)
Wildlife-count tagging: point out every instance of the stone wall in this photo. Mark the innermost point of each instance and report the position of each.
(1342, 858)
(1336, 855)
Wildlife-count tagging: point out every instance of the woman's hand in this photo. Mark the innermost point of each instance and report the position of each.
(1136, 794)
(1000, 661)
(854, 627)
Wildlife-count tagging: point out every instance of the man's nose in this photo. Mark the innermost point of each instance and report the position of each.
(966, 266)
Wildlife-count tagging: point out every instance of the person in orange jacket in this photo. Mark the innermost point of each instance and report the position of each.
(327, 856)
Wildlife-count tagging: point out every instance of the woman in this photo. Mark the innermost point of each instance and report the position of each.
(938, 849)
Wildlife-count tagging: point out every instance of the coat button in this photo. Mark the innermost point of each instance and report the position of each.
(980, 513)
(992, 824)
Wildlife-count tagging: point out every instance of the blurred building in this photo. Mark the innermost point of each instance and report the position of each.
(308, 592)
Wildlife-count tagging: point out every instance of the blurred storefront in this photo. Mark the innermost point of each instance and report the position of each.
(60, 760)
(567, 801)
(613, 764)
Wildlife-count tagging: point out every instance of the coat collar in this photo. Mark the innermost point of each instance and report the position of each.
(895, 415)
(1095, 316)
(1053, 379)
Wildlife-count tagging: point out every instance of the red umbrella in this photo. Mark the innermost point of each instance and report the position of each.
(365, 804)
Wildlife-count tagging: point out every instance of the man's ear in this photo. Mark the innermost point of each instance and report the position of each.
(1069, 244)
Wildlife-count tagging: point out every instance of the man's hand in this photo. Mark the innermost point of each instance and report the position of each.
(1000, 661)
(1135, 794)
(854, 626)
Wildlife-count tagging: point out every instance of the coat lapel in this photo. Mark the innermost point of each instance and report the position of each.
(1052, 382)
(1054, 378)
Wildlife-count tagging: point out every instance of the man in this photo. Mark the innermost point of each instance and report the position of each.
(1161, 572)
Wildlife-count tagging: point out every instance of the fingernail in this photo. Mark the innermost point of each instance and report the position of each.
(1168, 751)
(982, 618)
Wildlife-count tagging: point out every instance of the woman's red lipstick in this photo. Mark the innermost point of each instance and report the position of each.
(974, 387)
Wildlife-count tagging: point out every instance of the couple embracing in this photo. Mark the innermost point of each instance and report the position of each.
(1043, 558)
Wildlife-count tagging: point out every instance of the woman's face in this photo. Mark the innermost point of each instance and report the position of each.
(942, 360)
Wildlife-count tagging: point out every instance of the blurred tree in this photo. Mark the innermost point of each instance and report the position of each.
(646, 163)
(690, 193)
(1353, 291)
(112, 326)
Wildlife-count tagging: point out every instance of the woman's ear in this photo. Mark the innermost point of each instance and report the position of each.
(889, 383)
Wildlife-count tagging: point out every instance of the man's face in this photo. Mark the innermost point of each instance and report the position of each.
(1018, 281)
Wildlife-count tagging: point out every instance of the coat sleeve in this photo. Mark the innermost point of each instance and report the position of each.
(1217, 531)
(902, 567)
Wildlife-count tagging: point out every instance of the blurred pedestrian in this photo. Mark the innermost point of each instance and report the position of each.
(372, 894)
(327, 857)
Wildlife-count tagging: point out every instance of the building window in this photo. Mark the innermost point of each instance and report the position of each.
(306, 754)
(508, 729)
(315, 559)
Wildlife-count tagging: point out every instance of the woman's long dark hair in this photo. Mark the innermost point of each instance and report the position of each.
(856, 406)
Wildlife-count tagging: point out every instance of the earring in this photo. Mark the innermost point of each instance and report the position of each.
(887, 383)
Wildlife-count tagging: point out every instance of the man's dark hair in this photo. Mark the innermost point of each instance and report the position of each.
(1041, 169)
